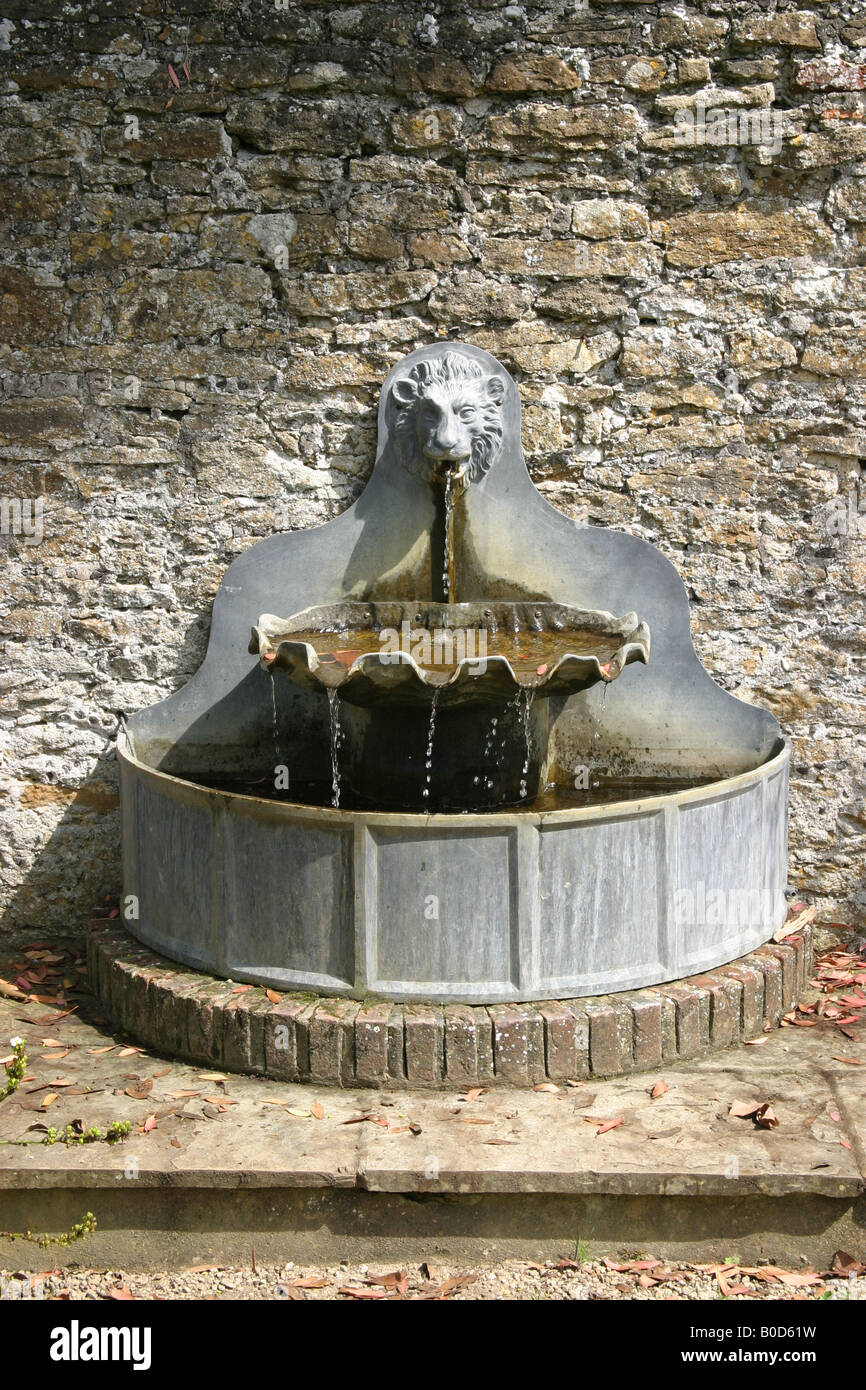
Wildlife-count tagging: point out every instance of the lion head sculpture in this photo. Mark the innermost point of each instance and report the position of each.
(449, 418)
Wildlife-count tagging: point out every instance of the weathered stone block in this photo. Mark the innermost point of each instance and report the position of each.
(557, 128)
(332, 1042)
(751, 981)
(321, 295)
(437, 72)
(693, 1017)
(710, 238)
(287, 1039)
(611, 1038)
(771, 969)
(468, 1045)
(533, 72)
(787, 958)
(244, 1032)
(518, 1043)
(424, 1035)
(157, 306)
(793, 28)
(566, 1039)
(577, 259)
(649, 1029)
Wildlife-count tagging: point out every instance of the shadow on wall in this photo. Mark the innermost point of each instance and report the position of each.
(71, 873)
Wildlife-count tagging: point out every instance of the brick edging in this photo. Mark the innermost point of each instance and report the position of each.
(342, 1042)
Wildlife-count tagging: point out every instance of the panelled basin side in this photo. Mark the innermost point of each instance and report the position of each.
(496, 907)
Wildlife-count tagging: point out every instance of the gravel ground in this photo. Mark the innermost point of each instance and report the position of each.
(512, 1279)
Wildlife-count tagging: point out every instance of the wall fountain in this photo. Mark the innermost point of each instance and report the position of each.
(469, 752)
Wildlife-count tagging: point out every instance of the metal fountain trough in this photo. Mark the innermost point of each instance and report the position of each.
(361, 801)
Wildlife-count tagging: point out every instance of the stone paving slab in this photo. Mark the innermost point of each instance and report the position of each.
(225, 1165)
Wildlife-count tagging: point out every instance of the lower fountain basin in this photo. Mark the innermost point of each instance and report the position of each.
(477, 908)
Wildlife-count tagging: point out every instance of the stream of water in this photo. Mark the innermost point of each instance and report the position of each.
(527, 695)
(274, 724)
(428, 756)
(446, 563)
(336, 740)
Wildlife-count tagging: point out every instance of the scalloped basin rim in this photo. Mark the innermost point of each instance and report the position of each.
(396, 673)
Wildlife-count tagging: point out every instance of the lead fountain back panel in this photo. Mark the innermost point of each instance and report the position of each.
(504, 905)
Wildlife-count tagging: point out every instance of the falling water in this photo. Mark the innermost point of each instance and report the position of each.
(336, 740)
(274, 726)
(446, 562)
(528, 697)
(428, 757)
(489, 754)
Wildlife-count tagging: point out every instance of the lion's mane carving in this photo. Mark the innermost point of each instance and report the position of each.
(448, 417)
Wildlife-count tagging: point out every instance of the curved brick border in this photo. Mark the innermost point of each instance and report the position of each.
(341, 1042)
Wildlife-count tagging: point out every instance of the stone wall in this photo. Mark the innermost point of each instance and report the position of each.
(223, 222)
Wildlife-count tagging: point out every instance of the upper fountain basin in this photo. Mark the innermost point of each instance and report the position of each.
(405, 652)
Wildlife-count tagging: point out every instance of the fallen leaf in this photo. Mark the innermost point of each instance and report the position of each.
(795, 924)
(121, 1294)
(476, 1091)
(545, 1086)
(318, 1110)
(274, 997)
(389, 1281)
(659, 1089)
(797, 1280)
(459, 1281)
(12, 991)
(149, 1124)
(140, 1091)
(609, 1124)
(845, 1264)
(312, 1281)
(174, 77)
(765, 1117)
(852, 1061)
